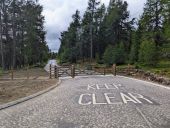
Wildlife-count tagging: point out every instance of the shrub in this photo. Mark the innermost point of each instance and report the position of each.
(98, 59)
(65, 56)
(108, 55)
(148, 53)
(114, 55)
(119, 54)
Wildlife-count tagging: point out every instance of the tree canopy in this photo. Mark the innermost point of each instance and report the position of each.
(109, 35)
(22, 35)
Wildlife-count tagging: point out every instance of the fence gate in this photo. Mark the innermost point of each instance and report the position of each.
(61, 71)
(64, 71)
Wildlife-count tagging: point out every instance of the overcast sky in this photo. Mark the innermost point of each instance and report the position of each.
(58, 16)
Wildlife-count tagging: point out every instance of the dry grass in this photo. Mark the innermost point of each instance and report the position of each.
(18, 88)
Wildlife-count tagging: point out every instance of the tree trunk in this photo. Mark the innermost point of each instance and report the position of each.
(1, 41)
(14, 37)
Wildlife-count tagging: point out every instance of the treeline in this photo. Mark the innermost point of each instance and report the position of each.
(22, 35)
(109, 35)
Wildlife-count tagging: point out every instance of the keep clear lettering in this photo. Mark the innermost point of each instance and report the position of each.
(110, 98)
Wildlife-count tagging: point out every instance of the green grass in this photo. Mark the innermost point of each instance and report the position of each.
(162, 68)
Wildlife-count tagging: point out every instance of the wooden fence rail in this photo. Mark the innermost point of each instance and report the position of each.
(56, 72)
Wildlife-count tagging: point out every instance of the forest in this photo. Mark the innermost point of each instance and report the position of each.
(22, 34)
(108, 35)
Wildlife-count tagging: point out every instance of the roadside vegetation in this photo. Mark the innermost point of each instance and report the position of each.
(1, 71)
(22, 34)
(109, 35)
(23, 50)
(162, 68)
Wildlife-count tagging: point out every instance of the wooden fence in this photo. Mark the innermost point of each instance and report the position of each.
(56, 71)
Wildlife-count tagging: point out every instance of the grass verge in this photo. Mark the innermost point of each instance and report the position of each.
(162, 68)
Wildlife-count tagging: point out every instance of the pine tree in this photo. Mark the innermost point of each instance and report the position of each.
(23, 33)
(148, 53)
(133, 56)
(151, 21)
(70, 41)
(92, 10)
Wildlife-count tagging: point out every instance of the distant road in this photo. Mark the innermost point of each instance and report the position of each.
(94, 102)
(52, 62)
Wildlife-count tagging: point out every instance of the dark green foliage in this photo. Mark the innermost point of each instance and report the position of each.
(153, 32)
(117, 23)
(108, 56)
(70, 49)
(115, 55)
(108, 33)
(65, 56)
(120, 54)
(165, 51)
(96, 31)
(133, 56)
(151, 21)
(24, 36)
(148, 53)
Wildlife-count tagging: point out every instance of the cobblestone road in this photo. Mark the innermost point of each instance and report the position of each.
(94, 102)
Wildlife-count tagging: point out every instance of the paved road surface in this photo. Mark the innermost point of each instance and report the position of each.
(94, 102)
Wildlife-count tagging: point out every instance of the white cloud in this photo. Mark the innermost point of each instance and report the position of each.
(136, 7)
(58, 16)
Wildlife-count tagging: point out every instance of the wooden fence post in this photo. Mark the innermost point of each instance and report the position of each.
(56, 72)
(50, 71)
(72, 71)
(114, 69)
(104, 71)
(28, 72)
(128, 70)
